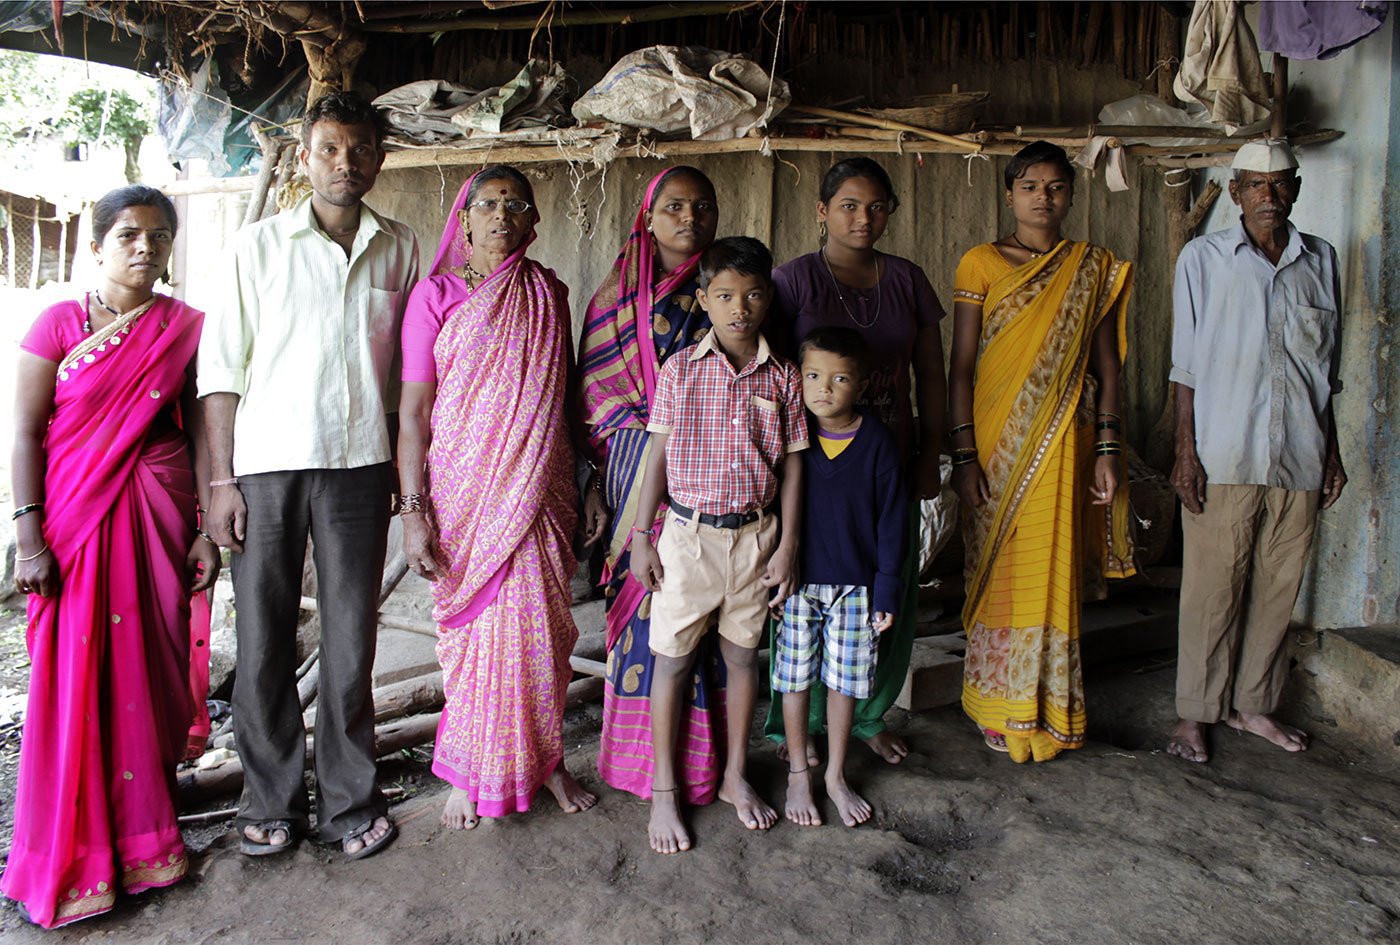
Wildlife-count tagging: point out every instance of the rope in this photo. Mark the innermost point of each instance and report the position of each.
(1185, 180)
(772, 72)
(968, 157)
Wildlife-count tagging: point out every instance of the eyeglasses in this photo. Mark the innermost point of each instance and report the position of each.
(490, 204)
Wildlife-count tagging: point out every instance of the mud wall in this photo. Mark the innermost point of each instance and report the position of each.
(948, 205)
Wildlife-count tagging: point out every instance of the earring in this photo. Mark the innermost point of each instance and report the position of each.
(821, 230)
(648, 227)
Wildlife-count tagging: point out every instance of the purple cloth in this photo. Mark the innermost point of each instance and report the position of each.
(807, 298)
(1309, 29)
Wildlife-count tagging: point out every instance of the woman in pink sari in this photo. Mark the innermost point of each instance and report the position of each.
(108, 549)
(486, 471)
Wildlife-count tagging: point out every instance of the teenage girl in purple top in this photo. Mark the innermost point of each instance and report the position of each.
(888, 299)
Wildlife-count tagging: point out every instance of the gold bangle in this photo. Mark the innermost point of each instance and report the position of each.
(35, 554)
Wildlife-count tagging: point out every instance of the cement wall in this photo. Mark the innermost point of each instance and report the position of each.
(1352, 580)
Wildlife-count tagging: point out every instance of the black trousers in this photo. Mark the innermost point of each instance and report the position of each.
(346, 513)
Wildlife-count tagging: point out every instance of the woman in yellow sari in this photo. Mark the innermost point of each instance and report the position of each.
(1033, 397)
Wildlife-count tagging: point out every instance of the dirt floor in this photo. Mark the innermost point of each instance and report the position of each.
(1113, 843)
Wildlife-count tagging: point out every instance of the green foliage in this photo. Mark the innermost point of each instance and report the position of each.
(25, 97)
(104, 116)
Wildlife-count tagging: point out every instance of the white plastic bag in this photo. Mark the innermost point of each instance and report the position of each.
(669, 88)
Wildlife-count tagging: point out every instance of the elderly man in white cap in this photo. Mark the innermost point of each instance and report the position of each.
(1255, 354)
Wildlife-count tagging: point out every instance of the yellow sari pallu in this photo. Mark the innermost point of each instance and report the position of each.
(1029, 547)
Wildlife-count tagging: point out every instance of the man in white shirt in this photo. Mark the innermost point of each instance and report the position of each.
(298, 368)
(1255, 361)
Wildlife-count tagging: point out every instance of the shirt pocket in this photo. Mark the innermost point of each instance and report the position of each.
(765, 425)
(382, 313)
(1310, 334)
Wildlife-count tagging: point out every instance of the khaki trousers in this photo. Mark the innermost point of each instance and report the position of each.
(1242, 565)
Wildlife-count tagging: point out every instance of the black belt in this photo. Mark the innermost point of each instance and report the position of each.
(728, 520)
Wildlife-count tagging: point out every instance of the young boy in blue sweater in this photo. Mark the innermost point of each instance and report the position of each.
(853, 533)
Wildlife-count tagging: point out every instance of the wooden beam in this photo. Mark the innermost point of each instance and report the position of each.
(608, 15)
(1279, 121)
(210, 185)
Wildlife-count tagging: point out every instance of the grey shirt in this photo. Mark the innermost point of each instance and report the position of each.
(1259, 345)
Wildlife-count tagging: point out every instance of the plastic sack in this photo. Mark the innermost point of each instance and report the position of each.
(1151, 111)
(667, 89)
(938, 517)
(192, 120)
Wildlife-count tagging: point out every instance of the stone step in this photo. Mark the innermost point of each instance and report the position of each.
(1350, 678)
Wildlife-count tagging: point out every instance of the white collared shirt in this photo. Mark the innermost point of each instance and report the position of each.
(309, 340)
(1259, 345)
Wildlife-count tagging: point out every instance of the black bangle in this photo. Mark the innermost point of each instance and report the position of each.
(959, 429)
(26, 509)
(964, 460)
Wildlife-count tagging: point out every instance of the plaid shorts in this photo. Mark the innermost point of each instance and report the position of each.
(826, 632)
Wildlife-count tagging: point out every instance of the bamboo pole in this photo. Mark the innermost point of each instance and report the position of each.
(994, 143)
(210, 185)
(605, 17)
(38, 250)
(10, 241)
(855, 118)
(62, 248)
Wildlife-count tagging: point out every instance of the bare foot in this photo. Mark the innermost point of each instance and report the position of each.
(801, 806)
(753, 813)
(1188, 742)
(568, 792)
(665, 830)
(460, 812)
(888, 746)
(853, 808)
(369, 838)
(1267, 727)
(813, 758)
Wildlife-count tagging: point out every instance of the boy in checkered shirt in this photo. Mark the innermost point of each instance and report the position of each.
(726, 422)
(853, 537)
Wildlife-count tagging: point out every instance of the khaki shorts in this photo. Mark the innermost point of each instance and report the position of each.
(707, 570)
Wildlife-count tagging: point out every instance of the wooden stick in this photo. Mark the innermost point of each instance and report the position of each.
(227, 778)
(661, 11)
(1204, 202)
(1280, 117)
(271, 150)
(855, 118)
(216, 185)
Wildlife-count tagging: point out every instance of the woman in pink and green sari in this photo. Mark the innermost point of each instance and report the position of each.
(644, 312)
(108, 549)
(486, 471)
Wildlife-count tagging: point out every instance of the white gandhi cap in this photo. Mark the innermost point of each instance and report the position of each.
(1266, 155)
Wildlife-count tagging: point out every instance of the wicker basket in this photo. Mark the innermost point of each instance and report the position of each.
(952, 112)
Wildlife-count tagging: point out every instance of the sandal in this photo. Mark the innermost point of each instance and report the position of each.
(370, 847)
(995, 740)
(250, 847)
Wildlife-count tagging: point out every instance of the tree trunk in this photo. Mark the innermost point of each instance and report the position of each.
(132, 146)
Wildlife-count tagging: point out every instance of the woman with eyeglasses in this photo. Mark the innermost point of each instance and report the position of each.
(488, 499)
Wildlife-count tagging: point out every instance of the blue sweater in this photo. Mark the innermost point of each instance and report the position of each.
(855, 515)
